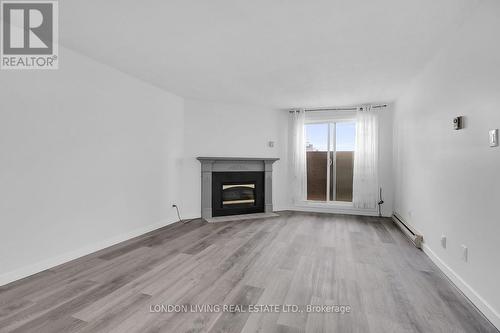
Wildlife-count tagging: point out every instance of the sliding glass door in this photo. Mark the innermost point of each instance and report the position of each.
(330, 160)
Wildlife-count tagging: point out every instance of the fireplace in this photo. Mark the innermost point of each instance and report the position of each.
(235, 193)
(236, 186)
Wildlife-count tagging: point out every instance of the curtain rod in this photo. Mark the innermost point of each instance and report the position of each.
(378, 106)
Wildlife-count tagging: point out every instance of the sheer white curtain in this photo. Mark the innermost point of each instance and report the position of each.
(298, 155)
(365, 183)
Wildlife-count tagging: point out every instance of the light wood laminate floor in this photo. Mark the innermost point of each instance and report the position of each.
(295, 259)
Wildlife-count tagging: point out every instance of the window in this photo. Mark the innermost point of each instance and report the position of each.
(330, 160)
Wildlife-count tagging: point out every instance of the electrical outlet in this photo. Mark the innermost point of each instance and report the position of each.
(465, 253)
(270, 144)
(443, 241)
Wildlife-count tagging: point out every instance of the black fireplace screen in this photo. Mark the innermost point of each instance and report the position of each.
(236, 193)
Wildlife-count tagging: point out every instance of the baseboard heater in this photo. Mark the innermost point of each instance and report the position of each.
(408, 230)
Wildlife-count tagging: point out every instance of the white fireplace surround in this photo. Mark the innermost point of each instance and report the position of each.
(234, 164)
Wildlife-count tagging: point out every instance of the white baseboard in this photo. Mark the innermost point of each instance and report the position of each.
(333, 209)
(66, 257)
(483, 306)
(191, 216)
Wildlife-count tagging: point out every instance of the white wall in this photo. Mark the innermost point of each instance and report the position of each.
(214, 129)
(89, 156)
(448, 181)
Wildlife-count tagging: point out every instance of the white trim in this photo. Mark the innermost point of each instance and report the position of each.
(66, 257)
(483, 306)
(316, 203)
(334, 207)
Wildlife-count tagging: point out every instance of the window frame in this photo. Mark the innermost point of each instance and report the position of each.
(329, 119)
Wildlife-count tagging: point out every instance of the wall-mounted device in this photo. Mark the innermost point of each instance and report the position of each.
(458, 123)
(494, 138)
(465, 253)
(443, 241)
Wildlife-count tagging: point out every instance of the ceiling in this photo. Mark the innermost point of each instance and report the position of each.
(266, 52)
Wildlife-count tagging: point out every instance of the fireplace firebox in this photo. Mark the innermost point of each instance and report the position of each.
(238, 195)
(235, 193)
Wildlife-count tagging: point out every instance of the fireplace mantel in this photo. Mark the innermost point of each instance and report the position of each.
(234, 164)
(237, 159)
